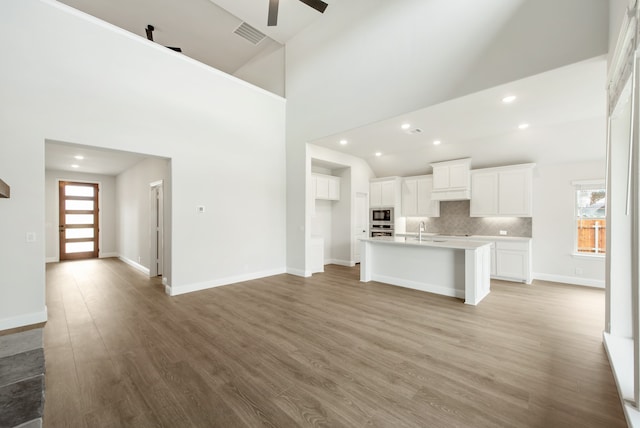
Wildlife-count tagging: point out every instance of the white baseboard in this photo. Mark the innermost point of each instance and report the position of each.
(23, 320)
(299, 272)
(347, 263)
(101, 256)
(175, 290)
(135, 265)
(575, 280)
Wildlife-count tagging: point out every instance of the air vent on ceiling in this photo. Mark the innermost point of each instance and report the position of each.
(249, 33)
(413, 131)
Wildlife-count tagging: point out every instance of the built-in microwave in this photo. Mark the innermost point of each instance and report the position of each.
(381, 214)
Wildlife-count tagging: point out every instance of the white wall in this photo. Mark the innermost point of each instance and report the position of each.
(322, 225)
(343, 230)
(133, 216)
(554, 224)
(375, 59)
(107, 206)
(266, 70)
(87, 82)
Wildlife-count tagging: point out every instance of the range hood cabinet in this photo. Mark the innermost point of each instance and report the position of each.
(452, 180)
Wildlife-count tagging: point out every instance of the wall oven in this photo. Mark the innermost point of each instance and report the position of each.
(381, 215)
(380, 229)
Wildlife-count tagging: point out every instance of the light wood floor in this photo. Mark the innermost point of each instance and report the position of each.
(325, 351)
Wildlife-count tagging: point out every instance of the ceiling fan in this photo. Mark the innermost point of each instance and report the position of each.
(272, 20)
(149, 31)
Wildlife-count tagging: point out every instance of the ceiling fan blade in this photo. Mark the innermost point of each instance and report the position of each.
(272, 20)
(318, 5)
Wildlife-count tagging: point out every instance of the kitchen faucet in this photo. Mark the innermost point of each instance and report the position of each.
(421, 228)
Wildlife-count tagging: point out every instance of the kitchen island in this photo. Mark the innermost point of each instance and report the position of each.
(452, 268)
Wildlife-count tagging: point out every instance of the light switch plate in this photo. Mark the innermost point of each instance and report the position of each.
(503, 232)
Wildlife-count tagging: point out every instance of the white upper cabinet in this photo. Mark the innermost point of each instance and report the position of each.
(384, 192)
(484, 193)
(515, 192)
(326, 187)
(416, 197)
(502, 192)
(451, 180)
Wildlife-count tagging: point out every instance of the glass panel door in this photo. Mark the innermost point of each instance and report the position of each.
(78, 220)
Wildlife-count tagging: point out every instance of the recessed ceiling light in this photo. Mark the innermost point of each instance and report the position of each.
(523, 126)
(79, 157)
(406, 126)
(343, 142)
(509, 99)
(436, 142)
(378, 154)
(75, 166)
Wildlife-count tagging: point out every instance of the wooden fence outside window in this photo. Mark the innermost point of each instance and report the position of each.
(592, 236)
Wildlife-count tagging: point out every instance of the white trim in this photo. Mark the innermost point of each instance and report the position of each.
(620, 353)
(594, 182)
(299, 272)
(347, 263)
(176, 290)
(574, 280)
(24, 320)
(51, 260)
(430, 288)
(167, 287)
(107, 255)
(136, 265)
(589, 256)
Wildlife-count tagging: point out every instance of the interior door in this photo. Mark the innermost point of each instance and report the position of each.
(78, 220)
(362, 223)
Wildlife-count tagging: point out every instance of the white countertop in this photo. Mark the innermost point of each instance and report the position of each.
(469, 237)
(429, 241)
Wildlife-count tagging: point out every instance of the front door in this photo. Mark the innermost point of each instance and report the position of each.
(78, 220)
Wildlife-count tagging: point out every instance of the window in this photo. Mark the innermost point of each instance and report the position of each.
(591, 221)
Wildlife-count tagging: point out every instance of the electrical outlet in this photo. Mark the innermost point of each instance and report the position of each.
(31, 237)
(503, 232)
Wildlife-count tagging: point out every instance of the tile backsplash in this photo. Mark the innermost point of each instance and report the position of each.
(454, 219)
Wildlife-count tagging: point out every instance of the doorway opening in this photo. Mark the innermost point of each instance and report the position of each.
(78, 224)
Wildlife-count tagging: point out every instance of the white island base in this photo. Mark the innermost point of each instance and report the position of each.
(451, 268)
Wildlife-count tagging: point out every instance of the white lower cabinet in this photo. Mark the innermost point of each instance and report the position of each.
(513, 261)
(510, 257)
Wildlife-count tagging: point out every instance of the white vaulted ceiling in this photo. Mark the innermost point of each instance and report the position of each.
(565, 109)
(204, 29)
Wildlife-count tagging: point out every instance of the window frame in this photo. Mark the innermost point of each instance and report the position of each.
(578, 185)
